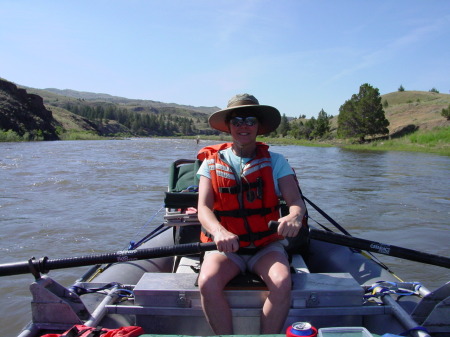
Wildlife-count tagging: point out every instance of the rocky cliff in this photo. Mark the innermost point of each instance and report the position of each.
(25, 113)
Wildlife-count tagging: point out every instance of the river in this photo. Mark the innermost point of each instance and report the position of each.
(71, 198)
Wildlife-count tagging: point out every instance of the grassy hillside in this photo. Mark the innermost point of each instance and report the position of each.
(70, 121)
(61, 99)
(57, 97)
(416, 124)
(420, 108)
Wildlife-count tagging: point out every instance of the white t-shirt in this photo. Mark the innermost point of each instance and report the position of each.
(280, 166)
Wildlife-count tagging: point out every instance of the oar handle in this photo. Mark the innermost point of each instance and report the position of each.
(44, 264)
(373, 246)
(273, 225)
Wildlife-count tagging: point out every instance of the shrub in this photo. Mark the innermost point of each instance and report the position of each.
(446, 112)
(10, 136)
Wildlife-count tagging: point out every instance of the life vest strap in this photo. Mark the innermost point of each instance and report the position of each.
(242, 187)
(252, 237)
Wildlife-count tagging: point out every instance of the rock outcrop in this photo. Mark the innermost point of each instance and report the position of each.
(25, 113)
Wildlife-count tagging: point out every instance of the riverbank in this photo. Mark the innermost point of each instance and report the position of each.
(436, 141)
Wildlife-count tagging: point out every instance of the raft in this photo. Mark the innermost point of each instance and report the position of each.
(337, 283)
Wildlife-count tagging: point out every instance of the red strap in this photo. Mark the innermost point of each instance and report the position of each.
(84, 331)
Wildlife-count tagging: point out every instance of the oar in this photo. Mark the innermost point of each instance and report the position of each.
(373, 246)
(43, 265)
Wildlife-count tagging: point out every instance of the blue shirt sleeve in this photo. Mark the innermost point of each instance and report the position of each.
(203, 170)
(280, 166)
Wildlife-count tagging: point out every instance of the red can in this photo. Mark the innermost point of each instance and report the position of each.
(303, 329)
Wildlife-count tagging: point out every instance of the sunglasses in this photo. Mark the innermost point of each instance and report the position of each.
(239, 121)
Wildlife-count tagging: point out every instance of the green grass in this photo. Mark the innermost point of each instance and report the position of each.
(293, 141)
(435, 138)
(435, 141)
(11, 136)
(80, 135)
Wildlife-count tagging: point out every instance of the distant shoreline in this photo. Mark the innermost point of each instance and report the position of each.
(435, 141)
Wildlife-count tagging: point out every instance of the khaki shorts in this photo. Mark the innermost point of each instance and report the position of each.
(247, 262)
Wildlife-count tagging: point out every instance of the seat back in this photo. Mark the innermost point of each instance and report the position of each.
(181, 200)
(183, 184)
(183, 174)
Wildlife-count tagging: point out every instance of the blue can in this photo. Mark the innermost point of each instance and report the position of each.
(303, 329)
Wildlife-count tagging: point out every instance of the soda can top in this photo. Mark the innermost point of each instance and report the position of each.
(301, 326)
(301, 329)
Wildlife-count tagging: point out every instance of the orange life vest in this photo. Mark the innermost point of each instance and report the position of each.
(243, 206)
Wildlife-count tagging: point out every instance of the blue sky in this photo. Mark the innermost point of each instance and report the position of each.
(300, 56)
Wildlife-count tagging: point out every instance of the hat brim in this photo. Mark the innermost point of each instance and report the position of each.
(268, 117)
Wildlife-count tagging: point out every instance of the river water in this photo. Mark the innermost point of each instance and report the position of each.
(63, 199)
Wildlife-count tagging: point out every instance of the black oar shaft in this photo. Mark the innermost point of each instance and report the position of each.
(373, 246)
(381, 248)
(44, 265)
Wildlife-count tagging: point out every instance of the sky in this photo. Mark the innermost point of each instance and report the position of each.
(300, 56)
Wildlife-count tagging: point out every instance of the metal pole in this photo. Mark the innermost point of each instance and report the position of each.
(404, 318)
(100, 311)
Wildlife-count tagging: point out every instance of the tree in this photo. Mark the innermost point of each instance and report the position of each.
(284, 127)
(362, 115)
(400, 88)
(309, 127)
(322, 125)
(434, 90)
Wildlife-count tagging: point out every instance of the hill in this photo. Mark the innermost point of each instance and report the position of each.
(420, 109)
(40, 112)
(408, 111)
(94, 114)
(51, 95)
(113, 115)
(25, 114)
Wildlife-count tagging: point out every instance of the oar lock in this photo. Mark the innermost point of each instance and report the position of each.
(38, 266)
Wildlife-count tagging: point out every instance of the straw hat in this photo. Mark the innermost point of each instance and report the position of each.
(246, 105)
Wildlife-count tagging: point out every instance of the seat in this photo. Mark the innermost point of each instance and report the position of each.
(181, 201)
(183, 184)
